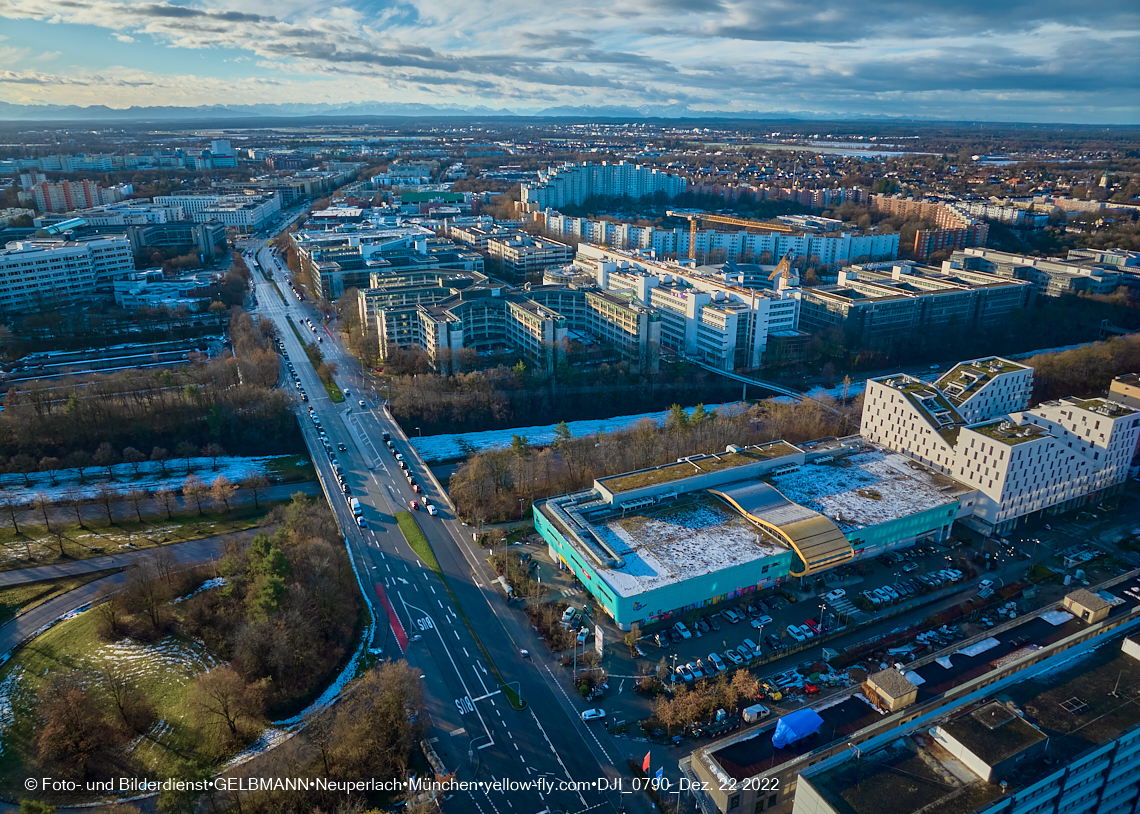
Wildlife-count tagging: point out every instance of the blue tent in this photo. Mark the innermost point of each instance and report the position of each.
(796, 725)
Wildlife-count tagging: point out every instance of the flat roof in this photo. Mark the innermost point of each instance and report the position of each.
(1008, 433)
(993, 732)
(697, 465)
(689, 537)
(871, 487)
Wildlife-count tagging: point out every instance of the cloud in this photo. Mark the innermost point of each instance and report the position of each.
(1041, 58)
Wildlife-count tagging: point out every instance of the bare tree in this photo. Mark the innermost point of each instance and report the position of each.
(165, 564)
(24, 466)
(12, 509)
(137, 497)
(42, 504)
(108, 609)
(147, 593)
(133, 457)
(224, 700)
(106, 458)
(167, 500)
(213, 452)
(107, 496)
(195, 489)
(135, 712)
(160, 456)
(75, 498)
(81, 462)
(222, 491)
(51, 466)
(186, 451)
(257, 485)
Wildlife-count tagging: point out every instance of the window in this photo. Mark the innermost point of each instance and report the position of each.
(734, 802)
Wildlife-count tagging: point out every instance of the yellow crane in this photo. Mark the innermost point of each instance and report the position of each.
(784, 268)
(696, 218)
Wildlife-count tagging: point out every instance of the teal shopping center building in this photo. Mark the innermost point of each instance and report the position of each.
(654, 544)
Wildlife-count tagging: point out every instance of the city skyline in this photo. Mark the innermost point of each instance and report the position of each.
(1034, 62)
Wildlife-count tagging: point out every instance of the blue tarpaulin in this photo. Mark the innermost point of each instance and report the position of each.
(796, 725)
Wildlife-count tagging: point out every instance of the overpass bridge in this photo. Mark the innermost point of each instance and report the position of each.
(761, 383)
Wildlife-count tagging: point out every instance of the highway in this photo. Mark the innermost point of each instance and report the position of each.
(480, 736)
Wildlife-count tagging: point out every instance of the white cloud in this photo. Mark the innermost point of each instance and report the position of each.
(124, 38)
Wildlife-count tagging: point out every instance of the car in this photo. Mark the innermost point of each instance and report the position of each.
(342, 447)
(432, 510)
(695, 668)
(593, 714)
(812, 625)
(346, 488)
(773, 641)
(743, 653)
(661, 639)
(714, 621)
(760, 621)
(732, 616)
(807, 631)
(362, 404)
(416, 488)
(674, 635)
(797, 634)
(414, 504)
(891, 592)
(910, 566)
(348, 392)
(682, 631)
(360, 521)
(872, 597)
(733, 656)
(684, 672)
(838, 593)
(717, 662)
(703, 626)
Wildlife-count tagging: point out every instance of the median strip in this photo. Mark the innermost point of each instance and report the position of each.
(414, 535)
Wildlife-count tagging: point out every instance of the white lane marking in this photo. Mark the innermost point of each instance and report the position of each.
(556, 755)
(432, 588)
(466, 653)
(592, 735)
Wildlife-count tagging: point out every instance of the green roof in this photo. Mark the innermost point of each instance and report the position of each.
(981, 371)
(1008, 433)
(697, 465)
(1110, 408)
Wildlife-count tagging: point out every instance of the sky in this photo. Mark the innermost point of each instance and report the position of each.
(1013, 60)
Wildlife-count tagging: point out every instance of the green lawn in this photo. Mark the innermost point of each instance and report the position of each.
(21, 598)
(333, 390)
(99, 538)
(163, 671)
(292, 469)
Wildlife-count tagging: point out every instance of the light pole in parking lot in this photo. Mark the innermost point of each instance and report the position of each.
(822, 616)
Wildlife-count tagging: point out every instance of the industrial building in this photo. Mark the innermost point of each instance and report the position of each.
(973, 425)
(656, 543)
(884, 300)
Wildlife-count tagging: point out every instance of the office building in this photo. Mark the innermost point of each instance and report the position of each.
(205, 239)
(67, 195)
(1052, 277)
(654, 544)
(242, 212)
(973, 425)
(47, 271)
(573, 184)
(151, 289)
(522, 255)
(895, 300)
(1052, 737)
(722, 325)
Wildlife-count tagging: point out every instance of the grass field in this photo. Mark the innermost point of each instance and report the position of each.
(99, 538)
(292, 469)
(163, 671)
(21, 598)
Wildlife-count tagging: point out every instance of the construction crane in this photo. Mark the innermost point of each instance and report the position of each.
(783, 269)
(695, 218)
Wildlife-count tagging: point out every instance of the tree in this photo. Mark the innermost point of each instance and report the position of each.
(134, 710)
(195, 489)
(105, 457)
(137, 497)
(185, 450)
(256, 485)
(222, 491)
(108, 610)
(107, 496)
(145, 592)
(51, 466)
(133, 457)
(12, 509)
(213, 452)
(160, 456)
(73, 729)
(35, 807)
(75, 498)
(225, 701)
(80, 461)
(42, 504)
(23, 465)
(167, 500)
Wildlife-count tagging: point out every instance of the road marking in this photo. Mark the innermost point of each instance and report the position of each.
(592, 735)
(556, 755)
(433, 591)
(468, 655)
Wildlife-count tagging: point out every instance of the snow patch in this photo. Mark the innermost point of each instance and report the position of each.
(1057, 617)
(216, 582)
(977, 648)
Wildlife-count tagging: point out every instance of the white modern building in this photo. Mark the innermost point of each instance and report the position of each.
(724, 326)
(33, 272)
(973, 425)
(245, 213)
(573, 183)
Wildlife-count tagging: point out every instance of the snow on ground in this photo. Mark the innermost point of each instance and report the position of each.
(433, 448)
(216, 582)
(169, 656)
(150, 477)
(9, 687)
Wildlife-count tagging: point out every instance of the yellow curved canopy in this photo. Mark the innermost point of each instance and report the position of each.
(815, 538)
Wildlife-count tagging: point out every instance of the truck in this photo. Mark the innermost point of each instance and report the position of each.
(755, 713)
(355, 504)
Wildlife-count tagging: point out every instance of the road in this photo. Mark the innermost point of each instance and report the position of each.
(27, 624)
(479, 734)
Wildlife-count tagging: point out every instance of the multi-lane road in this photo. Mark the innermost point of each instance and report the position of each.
(541, 751)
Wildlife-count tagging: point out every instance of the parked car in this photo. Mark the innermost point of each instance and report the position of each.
(684, 672)
(432, 510)
(872, 597)
(593, 714)
(414, 504)
(807, 631)
(674, 635)
(797, 634)
(812, 625)
(838, 593)
(717, 662)
(714, 622)
(695, 669)
(773, 641)
(360, 521)
(733, 656)
(732, 616)
(703, 626)
(682, 630)
(760, 621)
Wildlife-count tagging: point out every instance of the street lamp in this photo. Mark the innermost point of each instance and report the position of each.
(822, 617)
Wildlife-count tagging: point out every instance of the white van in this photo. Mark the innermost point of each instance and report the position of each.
(356, 508)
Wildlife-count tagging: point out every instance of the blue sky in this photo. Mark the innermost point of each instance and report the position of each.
(1019, 60)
